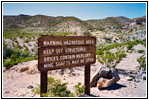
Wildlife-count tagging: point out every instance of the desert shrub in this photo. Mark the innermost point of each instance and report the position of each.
(21, 36)
(36, 90)
(115, 45)
(119, 56)
(26, 49)
(142, 61)
(100, 28)
(99, 52)
(16, 57)
(7, 51)
(25, 54)
(87, 34)
(79, 89)
(106, 57)
(130, 46)
(111, 59)
(8, 64)
(101, 48)
(18, 47)
(130, 30)
(58, 89)
(143, 42)
(27, 40)
(141, 51)
(108, 39)
(10, 34)
(55, 89)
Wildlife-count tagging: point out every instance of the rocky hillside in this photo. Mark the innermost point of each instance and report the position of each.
(44, 24)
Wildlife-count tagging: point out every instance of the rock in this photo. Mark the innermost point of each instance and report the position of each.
(104, 83)
(62, 71)
(103, 71)
(132, 76)
(133, 72)
(144, 76)
(93, 64)
(136, 80)
(129, 78)
(32, 71)
(105, 77)
(68, 92)
(143, 70)
(115, 74)
(30, 87)
(24, 69)
(6, 91)
(4, 69)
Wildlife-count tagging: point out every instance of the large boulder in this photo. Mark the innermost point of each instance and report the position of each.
(105, 77)
(100, 72)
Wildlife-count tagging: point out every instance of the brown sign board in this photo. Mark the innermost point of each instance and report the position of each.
(57, 52)
(46, 41)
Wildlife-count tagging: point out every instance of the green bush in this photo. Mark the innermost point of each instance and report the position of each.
(55, 89)
(79, 89)
(141, 51)
(115, 45)
(36, 90)
(25, 53)
(129, 47)
(143, 42)
(8, 64)
(87, 34)
(27, 40)
(58, 89)
(119, 56)
(108, 39)
(99, 52)
(16, 57)
(106, 57)
(142, 61)
(111, 59)
(18, 47)
(7, 51)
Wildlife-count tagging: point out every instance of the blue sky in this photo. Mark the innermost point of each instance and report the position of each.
(83, 11)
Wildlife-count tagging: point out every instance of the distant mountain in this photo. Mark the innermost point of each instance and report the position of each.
(41, 23)
(45, 24)
(140, 19)
(109, 23)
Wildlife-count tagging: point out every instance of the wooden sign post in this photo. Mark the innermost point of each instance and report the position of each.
(87, 79)
(57, 52)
